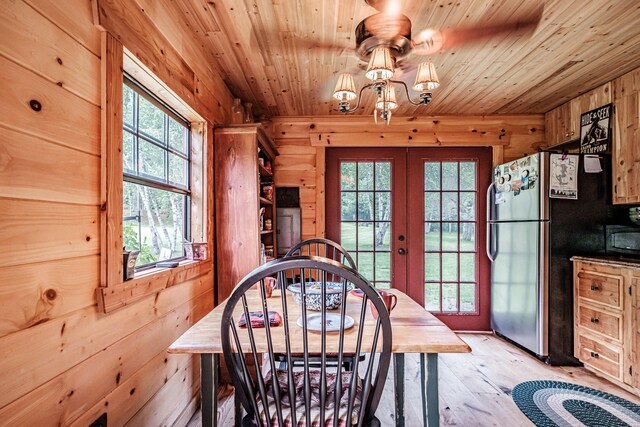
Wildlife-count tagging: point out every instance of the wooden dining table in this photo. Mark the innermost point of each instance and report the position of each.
(414, 330)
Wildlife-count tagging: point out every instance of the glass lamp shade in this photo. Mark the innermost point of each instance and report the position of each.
(426, 78)
(387, 99)
(380, 65)
(345, 89)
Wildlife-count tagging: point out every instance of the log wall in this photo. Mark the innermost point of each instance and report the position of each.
(62, 362)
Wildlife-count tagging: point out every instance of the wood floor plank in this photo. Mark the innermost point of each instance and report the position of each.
(475, 388)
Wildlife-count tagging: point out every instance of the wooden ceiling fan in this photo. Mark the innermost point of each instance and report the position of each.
(392, 29)
(385, 41)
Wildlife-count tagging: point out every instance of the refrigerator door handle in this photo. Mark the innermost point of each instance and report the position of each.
(489, 201)
(489, 237)
(490, 250)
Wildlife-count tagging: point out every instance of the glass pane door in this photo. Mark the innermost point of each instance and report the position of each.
(448, 271)
(450, 250)
(365, 217)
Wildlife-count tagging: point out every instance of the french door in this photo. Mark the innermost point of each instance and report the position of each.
(413, 220)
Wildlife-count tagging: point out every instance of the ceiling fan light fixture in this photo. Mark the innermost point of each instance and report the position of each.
(426, 78)
(387, 98)
(380, 64)
(345, 88)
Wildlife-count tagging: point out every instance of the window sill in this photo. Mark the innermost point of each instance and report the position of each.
(149, 282)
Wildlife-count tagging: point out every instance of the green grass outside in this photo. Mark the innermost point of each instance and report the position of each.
(365, 262)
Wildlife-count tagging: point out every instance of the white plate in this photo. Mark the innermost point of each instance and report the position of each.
(332, 321)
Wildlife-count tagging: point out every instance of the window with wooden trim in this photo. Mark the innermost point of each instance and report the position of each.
(156, 169)
(154, 195)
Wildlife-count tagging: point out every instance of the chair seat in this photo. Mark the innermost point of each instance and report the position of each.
(315, 360)
(298, 383)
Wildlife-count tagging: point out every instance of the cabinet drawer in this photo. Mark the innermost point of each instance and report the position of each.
(605, 323)
(601, 356)
(600, 288)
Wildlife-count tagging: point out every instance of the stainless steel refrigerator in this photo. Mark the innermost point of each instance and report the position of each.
(530, 239)
(517, 227)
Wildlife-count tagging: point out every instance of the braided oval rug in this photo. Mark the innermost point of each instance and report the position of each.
(554, 403)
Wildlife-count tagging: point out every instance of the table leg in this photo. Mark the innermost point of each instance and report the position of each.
(208, 383)
(398, 382)
(430, 398)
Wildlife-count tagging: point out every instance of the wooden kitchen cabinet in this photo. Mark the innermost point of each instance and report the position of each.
(635, 310)
(562, 124)
(626, 138)
(607, 319)
(240, 179)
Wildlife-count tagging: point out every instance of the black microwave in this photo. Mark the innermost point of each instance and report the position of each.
(622, 240)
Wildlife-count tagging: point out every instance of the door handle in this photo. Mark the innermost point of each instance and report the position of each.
(402, 251)
(595, 320)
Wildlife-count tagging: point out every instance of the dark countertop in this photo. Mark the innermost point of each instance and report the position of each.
(610, 260)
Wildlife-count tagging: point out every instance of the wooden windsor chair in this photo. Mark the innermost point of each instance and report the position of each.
(325, 248)
(302, 396)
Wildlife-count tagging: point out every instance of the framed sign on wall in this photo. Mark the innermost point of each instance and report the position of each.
(595, 130)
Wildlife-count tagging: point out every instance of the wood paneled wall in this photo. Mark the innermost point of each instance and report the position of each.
(302, 142)
(61, 361)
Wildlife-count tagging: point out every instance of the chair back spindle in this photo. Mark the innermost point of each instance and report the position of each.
(301, 395)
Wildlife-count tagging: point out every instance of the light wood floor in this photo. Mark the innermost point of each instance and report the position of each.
(475, 388)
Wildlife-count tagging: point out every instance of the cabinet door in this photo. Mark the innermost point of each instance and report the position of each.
(572, 113)
(626, 138)
(562, 124)
(567, 130)
(552, 128)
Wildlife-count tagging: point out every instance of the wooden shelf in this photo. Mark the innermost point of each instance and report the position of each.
(264, 172)
(264, 201)
(266, 231)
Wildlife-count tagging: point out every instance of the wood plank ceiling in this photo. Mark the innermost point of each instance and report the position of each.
(261, 50)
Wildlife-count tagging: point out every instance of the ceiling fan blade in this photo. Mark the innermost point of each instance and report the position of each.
(388, 26)
(302, 42)
(314, 44)
(428, 42)
(405, 71)
(388, 6)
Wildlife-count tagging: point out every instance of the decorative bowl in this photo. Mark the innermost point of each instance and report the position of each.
(313, 292)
